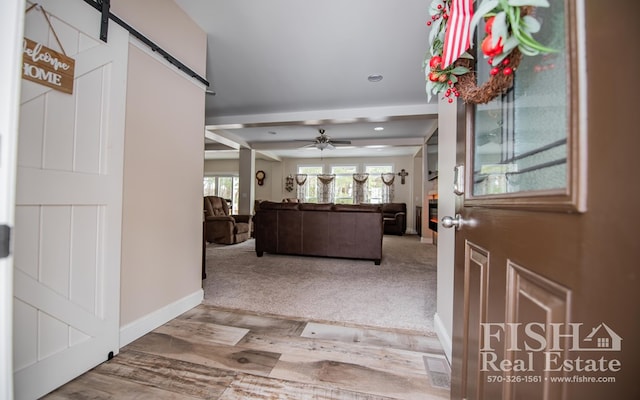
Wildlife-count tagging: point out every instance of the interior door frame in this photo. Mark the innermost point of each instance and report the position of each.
(11, 28)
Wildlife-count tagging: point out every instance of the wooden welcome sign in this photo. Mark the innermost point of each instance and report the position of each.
(45, 66)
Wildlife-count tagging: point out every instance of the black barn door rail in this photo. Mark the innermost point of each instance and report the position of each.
(103, 7)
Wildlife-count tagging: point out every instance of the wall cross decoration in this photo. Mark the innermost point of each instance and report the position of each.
(402, 174)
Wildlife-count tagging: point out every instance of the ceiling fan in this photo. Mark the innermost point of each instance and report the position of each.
(324, 141)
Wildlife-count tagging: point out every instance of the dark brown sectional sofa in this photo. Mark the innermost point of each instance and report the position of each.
(327, 230)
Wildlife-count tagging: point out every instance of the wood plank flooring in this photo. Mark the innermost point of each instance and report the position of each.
(211, 353)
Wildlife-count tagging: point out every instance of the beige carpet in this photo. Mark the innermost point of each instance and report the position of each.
(399, 293)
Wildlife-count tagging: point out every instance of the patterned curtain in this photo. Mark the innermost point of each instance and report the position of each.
(301, 179)
(326, 187)
(360, 192)
(387, 189)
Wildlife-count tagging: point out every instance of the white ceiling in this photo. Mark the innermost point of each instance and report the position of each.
(282, 69)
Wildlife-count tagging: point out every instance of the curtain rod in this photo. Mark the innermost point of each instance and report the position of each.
(172, 60)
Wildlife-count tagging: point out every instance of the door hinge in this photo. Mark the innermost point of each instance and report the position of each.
(5, 241)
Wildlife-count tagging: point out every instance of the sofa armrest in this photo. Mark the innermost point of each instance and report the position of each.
(220, 229)
(402, 220)
(242, 218)
(397, 215)
(220, 218)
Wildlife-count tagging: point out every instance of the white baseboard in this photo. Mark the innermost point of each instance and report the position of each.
(443, 336)
(426, 240)
(149, 322)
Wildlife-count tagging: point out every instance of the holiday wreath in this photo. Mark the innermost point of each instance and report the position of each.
(508, 28)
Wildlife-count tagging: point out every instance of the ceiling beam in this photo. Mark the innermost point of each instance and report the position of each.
(295, 144)
(322, 117)
(225, 138)
(266, 155)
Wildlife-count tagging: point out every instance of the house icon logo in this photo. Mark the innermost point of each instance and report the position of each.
(601, 338)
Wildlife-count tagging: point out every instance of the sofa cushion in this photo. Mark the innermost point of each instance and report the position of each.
(272, 205)
(356, 207)
(316, 206)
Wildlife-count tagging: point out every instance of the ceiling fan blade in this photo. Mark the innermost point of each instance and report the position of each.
(323, 141)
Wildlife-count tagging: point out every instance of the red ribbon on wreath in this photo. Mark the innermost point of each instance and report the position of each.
(457, 35)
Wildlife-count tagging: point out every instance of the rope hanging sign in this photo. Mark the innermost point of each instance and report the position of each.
(46, 66)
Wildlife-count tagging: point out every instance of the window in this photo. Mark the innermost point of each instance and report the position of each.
(223, 186)
(209, 186)
(376, 187)
(343, 183)
(343, 186)
(308, 193)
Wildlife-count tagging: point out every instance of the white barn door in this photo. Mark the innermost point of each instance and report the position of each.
(69, 204)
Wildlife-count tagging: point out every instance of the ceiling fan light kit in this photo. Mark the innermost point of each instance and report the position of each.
(324, 141)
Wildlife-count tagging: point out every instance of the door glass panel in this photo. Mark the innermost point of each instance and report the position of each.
(520, 142)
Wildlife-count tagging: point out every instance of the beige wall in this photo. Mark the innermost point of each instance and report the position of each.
(222, 167)
(164, 139)
(273, 188)
(168, 26)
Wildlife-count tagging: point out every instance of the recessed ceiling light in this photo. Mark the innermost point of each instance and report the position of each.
(378, 128)
(374, 78)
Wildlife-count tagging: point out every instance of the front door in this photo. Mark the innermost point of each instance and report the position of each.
(68, 203)
(545, 288)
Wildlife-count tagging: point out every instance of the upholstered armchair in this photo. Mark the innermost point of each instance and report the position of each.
(220, 226)
(394, 218)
